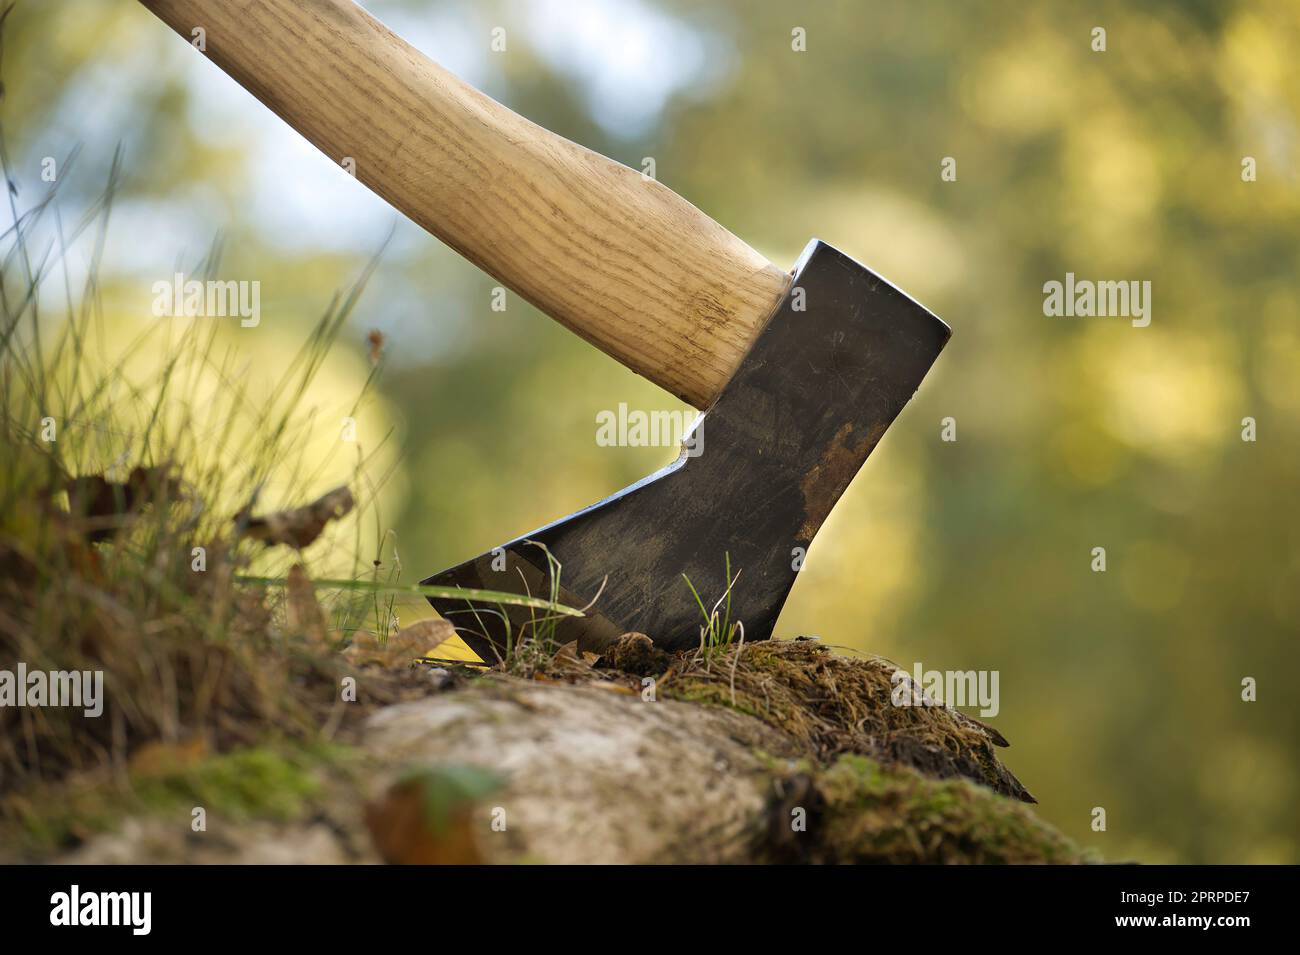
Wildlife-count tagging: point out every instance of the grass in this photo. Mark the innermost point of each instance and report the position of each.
(555, 610)
(532, 647)
(126, 503)
(718, 631)
(116, 499)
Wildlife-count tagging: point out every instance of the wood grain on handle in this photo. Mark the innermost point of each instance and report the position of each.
(620, 259)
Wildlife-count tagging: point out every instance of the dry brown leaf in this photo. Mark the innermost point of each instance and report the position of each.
(570, 654)
(401, 648)
(428, 819)
(298, 526)
(397, 825)
(364, 648)
(303, 614)
(159, 758)
(98, 508)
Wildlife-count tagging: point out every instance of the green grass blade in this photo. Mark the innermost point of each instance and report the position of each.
(423, 590)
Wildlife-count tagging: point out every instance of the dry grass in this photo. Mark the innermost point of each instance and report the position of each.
(137, 534)
(130, 508)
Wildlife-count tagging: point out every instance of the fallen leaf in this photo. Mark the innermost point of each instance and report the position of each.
(426, 818)
(161, 758)
(570, 654)
(299, 526)
(400, 834)
(401, 648)
(98, 508)
(303, 614)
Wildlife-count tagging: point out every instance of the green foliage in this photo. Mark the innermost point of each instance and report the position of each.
(261, 782)
(718, 630)
(276, 781)
(898, 816)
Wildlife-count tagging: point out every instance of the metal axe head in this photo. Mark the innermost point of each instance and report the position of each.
(832, 368)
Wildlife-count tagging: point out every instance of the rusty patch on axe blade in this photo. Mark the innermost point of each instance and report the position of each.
(828, 478)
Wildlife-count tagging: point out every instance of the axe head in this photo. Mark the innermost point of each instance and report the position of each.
(833, 367)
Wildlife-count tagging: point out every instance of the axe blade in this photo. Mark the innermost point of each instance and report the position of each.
(841, 355)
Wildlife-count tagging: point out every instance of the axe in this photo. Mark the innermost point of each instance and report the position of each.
(800, 372)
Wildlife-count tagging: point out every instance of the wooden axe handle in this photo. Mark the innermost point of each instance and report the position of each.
(618, 258)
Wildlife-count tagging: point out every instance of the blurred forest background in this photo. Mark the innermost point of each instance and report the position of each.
(1120, 689)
